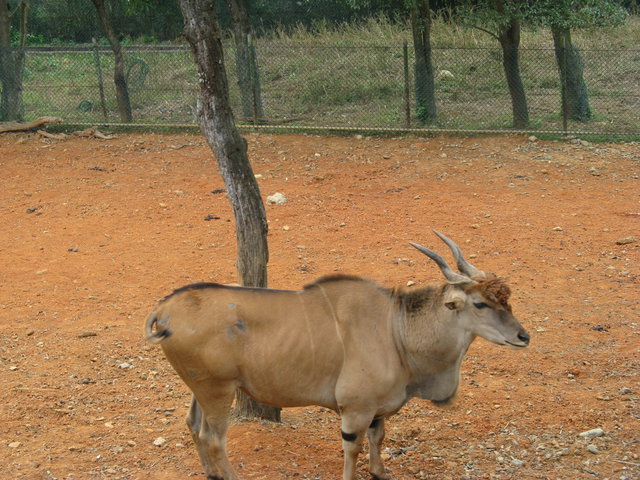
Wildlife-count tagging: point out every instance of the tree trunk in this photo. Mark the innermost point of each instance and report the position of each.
(216, 120)
(509, 39)
(11, 69)
(571, 68)
(246, 62)
(119, 78)
(424, 75)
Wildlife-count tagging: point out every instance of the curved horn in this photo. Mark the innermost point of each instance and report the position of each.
(451, 276)
(464, 266)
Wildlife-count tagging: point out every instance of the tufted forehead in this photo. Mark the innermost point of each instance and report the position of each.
(493, 289)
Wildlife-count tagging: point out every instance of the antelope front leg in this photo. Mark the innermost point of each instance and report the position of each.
(354, 427)
(375, 433)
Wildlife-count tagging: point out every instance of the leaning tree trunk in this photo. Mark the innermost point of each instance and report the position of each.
(11, 68)
(216, 120)
(509, 40)
(571, 67)
(246, 62)
(424, 75)
(119, 78)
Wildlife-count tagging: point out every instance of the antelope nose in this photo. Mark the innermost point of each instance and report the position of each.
(524, 337)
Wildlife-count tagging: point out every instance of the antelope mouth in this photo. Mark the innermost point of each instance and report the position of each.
(523, 340)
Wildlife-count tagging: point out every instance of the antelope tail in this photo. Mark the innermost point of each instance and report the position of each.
(161, 330)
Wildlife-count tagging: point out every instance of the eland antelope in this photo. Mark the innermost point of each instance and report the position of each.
(341, 342)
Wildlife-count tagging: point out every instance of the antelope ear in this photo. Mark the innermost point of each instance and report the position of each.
(455, 299)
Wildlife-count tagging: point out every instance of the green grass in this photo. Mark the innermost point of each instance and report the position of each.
(352, 76)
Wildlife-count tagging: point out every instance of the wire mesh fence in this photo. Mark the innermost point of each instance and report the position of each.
(340, 87)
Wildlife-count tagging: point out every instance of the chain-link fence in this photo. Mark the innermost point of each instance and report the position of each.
(339, 87)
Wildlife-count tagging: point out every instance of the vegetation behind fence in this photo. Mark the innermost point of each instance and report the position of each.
(335, 87)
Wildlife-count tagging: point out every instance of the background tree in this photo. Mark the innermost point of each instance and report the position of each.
(119, 78)
(562, 16)
(420, 15)
(11, 64)
(502, 19)
(217, 123)
(246, 61)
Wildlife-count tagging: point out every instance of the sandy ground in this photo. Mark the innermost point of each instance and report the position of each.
(95, 231)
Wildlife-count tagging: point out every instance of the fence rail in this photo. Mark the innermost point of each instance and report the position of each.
(305, 86)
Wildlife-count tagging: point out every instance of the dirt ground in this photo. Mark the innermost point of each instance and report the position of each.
(95, 231)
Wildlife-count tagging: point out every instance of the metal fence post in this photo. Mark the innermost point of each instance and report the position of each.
(407, 101)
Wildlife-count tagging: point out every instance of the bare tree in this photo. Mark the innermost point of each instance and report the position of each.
(217, 123)
(119, 78)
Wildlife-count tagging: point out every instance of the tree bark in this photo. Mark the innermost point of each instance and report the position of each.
(11, 68)
(424, 75)
(509, 39)
(216, 120)
(246, 62)
(119, 78)
(571, 68)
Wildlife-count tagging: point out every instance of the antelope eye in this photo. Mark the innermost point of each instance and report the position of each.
(480, 305)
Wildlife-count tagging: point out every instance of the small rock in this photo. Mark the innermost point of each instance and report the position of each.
(276, 199)
(124, 365)
(558, 229)
(159, 442)
(14, 444)
(594, 432)
(13, 368)
(533, 138)
(286, 228)
(410, 283)
(516, 463)
(592, 448)
(625, 391)
(626, 240)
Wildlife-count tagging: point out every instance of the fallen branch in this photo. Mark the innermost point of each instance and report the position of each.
(93, 132)
(20, 126)
(54, 136)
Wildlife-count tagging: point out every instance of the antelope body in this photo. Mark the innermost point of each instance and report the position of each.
(342, 342)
